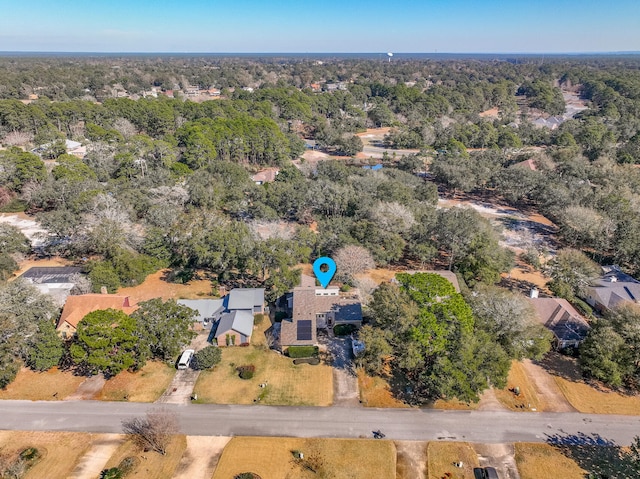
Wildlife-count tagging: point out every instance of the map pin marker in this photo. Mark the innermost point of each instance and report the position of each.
(324, 276)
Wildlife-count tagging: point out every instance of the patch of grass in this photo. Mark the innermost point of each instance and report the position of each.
(59, 452)
(302, 351)
(375, 392)
(48, 385)
(149, 464)
(442, 455)
(14, 206)
(271, 457)
(542, 460)
(528, 396)
(288, 384)
(145, 385)
(588, 399)
(344, 329)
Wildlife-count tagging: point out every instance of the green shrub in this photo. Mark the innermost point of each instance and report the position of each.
(345, 287)
(133, 268)
(30, 454)
(302, 351)
(128, 464)
(258, 318)
(14, 206)
(207, 358)
(280, 315)
(103, 274)
(113, 473)
(247, 371)
(344, 329)
(582, 307)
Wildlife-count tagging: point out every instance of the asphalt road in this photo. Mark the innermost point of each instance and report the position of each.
(401, 424)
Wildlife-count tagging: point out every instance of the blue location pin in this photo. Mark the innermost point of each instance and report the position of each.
(324, 276)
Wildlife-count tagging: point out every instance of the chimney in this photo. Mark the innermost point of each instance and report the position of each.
(103, 290)
(534, 293)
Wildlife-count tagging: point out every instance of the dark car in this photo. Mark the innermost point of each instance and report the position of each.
(490, 473)
(485, 473)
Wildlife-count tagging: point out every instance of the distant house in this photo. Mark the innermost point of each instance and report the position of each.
(234, 328)
(614, 288)
(249, 299)
(55, 281)
(209, 311)
(566, 324)
(72, 148)
(77, 307)
(529, 164)
(316, 308)
(377, 167)
(265, 176)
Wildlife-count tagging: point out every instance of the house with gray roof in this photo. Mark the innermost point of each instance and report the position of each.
(613, 289)
(208, 310)
(251, 299)
(55, 281)
(234, 328)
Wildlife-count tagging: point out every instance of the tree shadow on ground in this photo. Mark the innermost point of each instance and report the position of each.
(561, 365)
(602, 458)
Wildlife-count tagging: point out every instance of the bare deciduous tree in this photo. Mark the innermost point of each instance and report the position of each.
(125, 128)
(82, 284)
(17, 138)
(154, 431)
(351, 260)
(392, 217)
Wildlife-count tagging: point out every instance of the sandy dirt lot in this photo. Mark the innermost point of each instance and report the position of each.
(200, 459)
(92, 463)
(27, 224)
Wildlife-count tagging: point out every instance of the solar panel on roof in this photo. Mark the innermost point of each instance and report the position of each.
(304, 330)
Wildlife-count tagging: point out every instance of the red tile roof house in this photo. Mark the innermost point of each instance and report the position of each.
(77, 307)
(316, 308)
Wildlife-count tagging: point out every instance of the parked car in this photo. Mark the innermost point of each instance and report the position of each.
(490, 473)
(185, 359)
(485, 473)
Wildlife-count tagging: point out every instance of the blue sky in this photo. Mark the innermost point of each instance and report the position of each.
(456, 26)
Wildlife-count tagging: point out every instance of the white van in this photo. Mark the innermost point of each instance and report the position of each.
(185, 359)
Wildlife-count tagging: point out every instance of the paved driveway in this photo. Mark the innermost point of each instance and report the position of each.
(345, 381)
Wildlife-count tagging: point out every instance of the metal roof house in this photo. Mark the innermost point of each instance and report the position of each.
(234, 328)
(251, 299)
(208, 310)
(55, 281)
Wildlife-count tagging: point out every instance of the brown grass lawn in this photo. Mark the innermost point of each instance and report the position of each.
(442, 455)
(155, 287)
(42, 386)
(375, 392)
(150, 465)
(287, 383)
(587, 399)
(271, 458)
(528, 396)
(61, 451)
(542, 460)
(145, 385)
